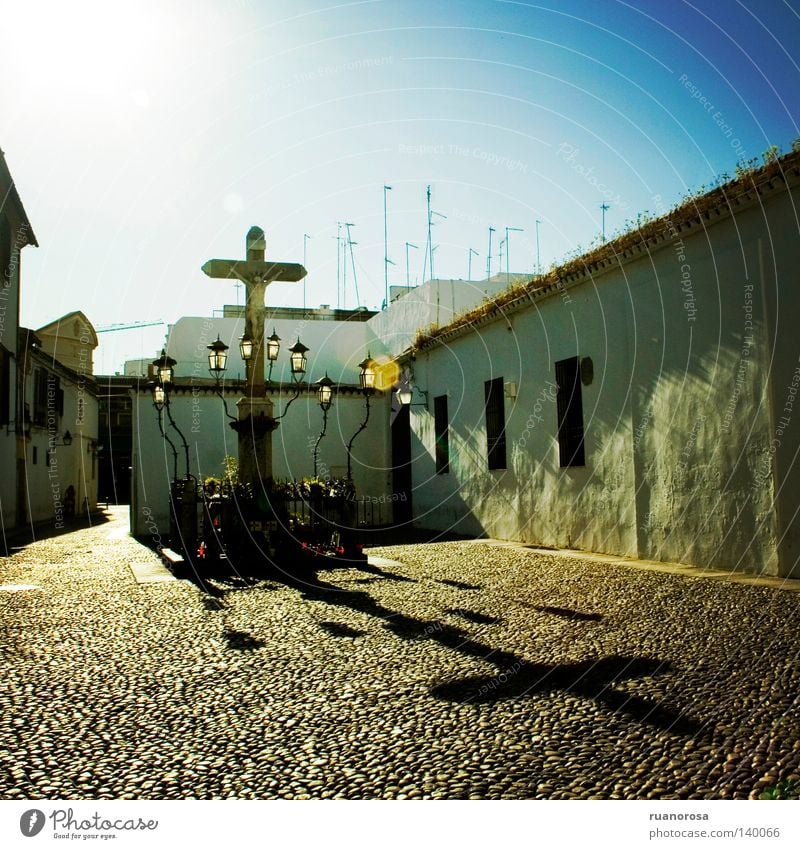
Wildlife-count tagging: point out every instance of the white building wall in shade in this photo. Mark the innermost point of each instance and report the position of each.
(16, 233)
(51, 467)
(695, 360)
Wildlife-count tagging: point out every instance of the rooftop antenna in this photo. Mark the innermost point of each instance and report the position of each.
(428, 241)
(508, 249)
(416, 247)
(489, 255)
(604, 206)
(472, 252)
(350, 243)
(502, 242)
(386, 260)
(338, 264)
(538, 263)
(306, 237)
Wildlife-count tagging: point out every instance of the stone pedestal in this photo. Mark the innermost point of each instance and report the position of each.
(254, 427)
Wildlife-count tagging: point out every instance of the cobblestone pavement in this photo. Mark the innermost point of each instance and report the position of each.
(462, 670)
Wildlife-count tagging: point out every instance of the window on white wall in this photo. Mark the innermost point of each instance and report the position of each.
(495, 423)
(569, 402)
(441, 428)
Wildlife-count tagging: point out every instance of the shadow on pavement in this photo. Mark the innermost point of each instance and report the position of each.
(517, 677)
(595, 679)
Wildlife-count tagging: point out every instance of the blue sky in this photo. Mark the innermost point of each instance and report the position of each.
(146, 137)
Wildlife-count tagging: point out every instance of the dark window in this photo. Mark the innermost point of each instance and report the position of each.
(495, 423)
(5, 386)
(40, 396)
(6, 266)
(570, 413)
(440, 426)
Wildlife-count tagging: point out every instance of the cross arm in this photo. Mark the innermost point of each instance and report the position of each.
(252, 271)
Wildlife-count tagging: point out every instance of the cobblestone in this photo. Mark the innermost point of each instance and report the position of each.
(450, 670)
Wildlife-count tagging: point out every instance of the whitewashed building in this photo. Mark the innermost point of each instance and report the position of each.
(58, 399)
(15, 234)
(640, 401)
(337, 341)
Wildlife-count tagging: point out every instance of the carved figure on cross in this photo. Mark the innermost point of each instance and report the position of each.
(256, 274)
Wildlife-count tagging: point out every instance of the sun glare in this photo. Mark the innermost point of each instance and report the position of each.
(74, 54)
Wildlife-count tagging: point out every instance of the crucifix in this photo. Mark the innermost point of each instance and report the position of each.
(255, 409)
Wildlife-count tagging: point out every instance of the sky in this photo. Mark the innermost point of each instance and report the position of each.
(147, 137)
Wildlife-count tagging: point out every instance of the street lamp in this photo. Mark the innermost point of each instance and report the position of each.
(367, 381)
(367, 376)
(325, 392)
(159, 401)
(405, 392)
(246, 347)
(325, 396)
(217, 357)
(273, 349)
(166, 371)
(297, 362)
(166, 368)
(217, 363)
(298, 357)
(273, 346)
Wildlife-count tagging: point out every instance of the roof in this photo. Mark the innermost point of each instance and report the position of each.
(59, 327)
(649, 233)
(13, 195)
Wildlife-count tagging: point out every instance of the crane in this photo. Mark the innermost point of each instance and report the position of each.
(112, 328)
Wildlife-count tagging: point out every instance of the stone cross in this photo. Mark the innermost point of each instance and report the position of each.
(256, 274)
(255, 423)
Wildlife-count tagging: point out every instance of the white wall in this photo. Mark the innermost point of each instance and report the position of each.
(334, 346)
(681, 460)
(198, 412)
(75, 465)
(435, 302)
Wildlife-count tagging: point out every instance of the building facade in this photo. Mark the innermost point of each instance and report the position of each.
(15, 234)
(639, 401)
(59, 410)
(194, 435)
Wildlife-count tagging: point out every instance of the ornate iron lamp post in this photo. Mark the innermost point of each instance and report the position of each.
(217, 363)
(166, 371)
(367, 380)
(325, 396)
(297, 363)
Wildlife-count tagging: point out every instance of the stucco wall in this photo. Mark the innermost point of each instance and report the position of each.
(435, 302)
(201, 418)
(75, 465)
(10, 276)
(334, 346)
(678, 420)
